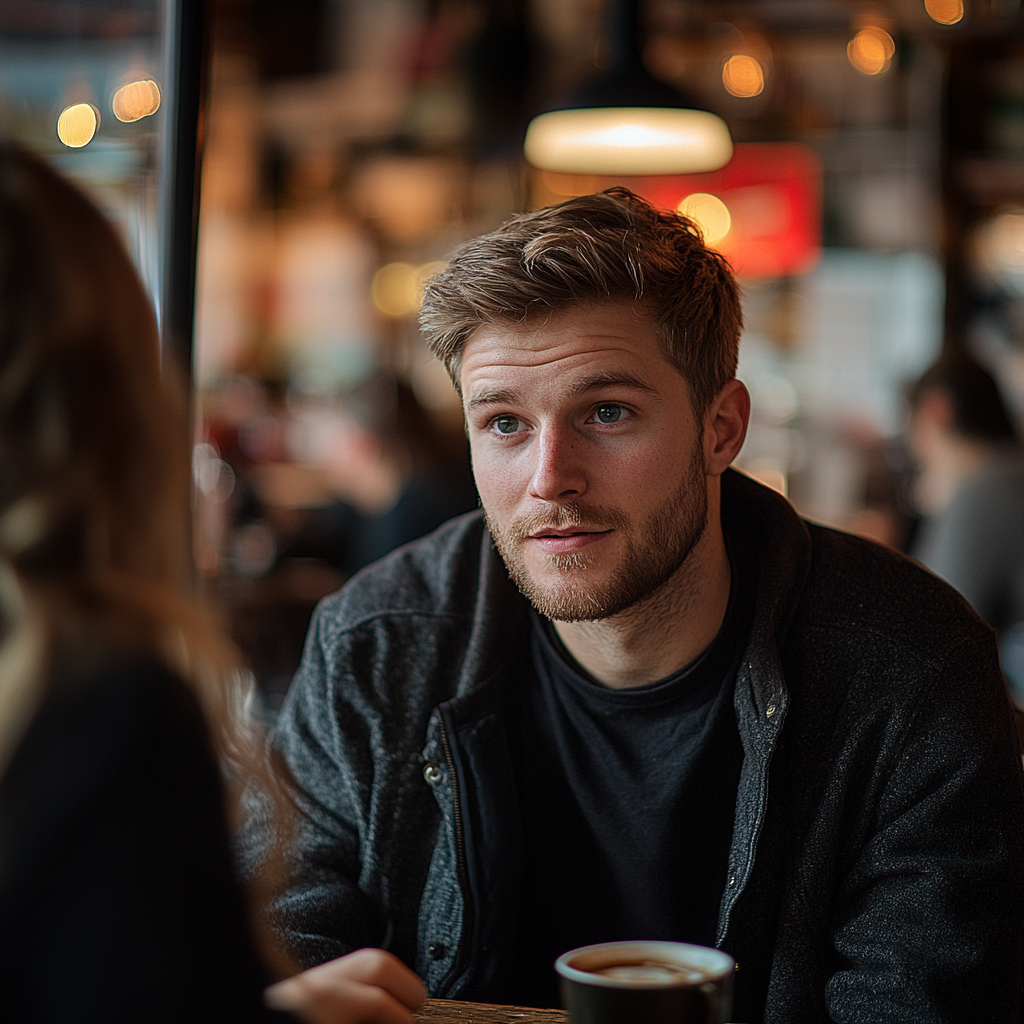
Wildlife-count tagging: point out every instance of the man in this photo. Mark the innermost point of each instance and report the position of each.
(970, 489)
(688, 715)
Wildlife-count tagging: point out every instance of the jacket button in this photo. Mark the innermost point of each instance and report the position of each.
(437, 951)
(732, 881)
(432, 774)
(770, 710)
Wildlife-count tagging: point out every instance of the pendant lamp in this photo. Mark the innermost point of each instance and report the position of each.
(626, 122)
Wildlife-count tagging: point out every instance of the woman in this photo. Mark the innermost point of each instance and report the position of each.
(120, 704)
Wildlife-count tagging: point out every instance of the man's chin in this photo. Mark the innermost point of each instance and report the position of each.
(573, 596)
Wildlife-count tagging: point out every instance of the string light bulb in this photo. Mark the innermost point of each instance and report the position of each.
(743, 76)
(945, 12)
(871, 50)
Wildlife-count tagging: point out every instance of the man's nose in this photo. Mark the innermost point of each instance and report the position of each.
(558, 473)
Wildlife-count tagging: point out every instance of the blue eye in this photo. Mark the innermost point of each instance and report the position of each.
(609, 413)
(506, 424)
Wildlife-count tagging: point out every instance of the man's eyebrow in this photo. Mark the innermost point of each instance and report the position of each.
(505, 396)
(609, 379)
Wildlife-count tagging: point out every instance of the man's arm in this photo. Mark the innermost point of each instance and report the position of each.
(351, 737)
(929, 919)
(323, 913)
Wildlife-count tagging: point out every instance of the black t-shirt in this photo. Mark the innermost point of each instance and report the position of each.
(627, 798)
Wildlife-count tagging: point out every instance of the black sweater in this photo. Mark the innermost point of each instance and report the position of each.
(118, 900)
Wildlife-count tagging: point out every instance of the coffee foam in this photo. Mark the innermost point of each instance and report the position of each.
(652, 972)
(644, 965)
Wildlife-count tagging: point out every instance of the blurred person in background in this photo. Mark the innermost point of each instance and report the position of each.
(970, 491)
(397, 476)
(121, 706)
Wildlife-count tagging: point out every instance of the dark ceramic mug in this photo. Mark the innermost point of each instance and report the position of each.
(646, 983)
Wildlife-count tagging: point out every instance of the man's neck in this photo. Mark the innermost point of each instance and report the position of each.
(665, 632)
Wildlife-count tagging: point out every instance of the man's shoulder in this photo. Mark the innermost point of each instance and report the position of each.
(862, 588)
(435, 616)
(435, 575)
(814, 577)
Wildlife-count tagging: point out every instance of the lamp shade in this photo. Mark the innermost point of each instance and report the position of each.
(628, 140)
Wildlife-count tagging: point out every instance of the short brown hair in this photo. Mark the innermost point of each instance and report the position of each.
(596, 248)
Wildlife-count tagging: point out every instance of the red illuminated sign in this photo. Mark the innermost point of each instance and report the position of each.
(773, 194)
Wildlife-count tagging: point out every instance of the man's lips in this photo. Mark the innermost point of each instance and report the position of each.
(565, 541)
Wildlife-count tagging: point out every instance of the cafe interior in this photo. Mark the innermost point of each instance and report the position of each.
(287, 173)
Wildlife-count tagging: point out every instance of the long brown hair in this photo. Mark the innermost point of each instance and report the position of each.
(95, 553)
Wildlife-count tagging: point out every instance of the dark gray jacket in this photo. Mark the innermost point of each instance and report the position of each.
(876, 864)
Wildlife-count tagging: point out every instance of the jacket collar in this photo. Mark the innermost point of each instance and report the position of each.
(783, 545)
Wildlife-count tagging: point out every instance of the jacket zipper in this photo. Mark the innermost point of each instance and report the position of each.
(755, 833)
(460, 866)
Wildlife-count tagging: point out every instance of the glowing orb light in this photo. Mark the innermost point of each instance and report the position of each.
(743, 76)
(871, 50)
(136, 100)
(709, 213)
(77, 125)
(945, 12)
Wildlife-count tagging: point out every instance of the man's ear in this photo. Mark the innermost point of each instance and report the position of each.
(726, 427)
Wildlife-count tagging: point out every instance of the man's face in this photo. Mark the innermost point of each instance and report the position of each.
(587, 456)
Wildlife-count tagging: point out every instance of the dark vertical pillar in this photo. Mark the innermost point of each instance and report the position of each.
(188, 39)
(963, 134)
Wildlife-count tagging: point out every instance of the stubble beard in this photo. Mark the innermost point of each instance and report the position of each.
(655, 551)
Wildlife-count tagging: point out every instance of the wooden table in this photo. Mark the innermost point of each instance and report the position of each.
(451, 1011)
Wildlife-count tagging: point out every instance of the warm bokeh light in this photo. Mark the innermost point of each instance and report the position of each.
(77, 125)
(1000, 249)
(136, 100)
(709, 213)
(394, 287)
(1008, 240)
(628, 140)
(871, 50)
(743, 76)
(422, 273)
(945, 12)
(398, 287)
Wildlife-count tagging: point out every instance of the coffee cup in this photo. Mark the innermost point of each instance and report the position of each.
(646, 983)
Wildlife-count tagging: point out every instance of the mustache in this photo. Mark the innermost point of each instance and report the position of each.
(596, 518)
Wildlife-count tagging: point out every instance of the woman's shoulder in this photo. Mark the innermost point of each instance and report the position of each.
(109, 703)
(107, 721)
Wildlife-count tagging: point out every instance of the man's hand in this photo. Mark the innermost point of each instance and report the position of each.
(368, 986)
